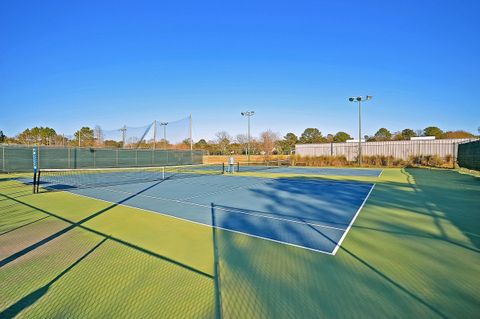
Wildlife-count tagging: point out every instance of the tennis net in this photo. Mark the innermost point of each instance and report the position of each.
(259, 166)
(63, 179)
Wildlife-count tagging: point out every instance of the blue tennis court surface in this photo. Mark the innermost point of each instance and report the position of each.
(312, 214)
(312, 170)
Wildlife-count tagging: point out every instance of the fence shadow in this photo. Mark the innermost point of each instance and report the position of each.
(36, 295)
(265, 279)
(452, 196)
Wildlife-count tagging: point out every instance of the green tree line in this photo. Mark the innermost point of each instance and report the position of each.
(268, 142)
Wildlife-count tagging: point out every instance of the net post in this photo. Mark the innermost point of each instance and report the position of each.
(35, 166)
(34, 181)
(38, 181)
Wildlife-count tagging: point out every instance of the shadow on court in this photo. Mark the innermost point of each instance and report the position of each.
(36, 295)
(376, 270)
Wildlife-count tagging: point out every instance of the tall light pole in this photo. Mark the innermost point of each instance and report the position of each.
(360, 99)
(248, 114)
(164, 124)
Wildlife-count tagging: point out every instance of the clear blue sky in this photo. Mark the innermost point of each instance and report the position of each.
(65, 64)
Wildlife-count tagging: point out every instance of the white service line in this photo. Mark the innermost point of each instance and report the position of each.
(235, 211)
(226, 190)
(351, 223)
(206, 225)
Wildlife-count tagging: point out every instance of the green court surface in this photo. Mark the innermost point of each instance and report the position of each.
(413, 251)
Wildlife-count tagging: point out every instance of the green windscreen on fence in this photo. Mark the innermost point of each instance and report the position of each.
(19, 158)
(469, 155)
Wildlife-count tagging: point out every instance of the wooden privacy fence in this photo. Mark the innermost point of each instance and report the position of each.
(398, 149)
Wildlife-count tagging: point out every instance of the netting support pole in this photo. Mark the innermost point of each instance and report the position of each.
(190, 133)
(191, 139)
(154, 133)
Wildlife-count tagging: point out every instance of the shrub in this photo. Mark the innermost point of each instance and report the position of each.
(373, 160)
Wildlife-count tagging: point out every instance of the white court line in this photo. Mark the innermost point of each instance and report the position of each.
(236, 211)
(380, 173)
(265, 181)
(351, 223)
(226, 190)
(241, 212)
(206, 225)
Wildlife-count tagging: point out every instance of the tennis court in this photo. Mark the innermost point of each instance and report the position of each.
(279, 169)
(312, 214)
(140, 244)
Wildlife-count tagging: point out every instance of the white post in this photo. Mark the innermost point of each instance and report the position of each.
(154, 133)
(190, 133)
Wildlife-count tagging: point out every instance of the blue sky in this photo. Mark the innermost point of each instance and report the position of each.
(65, 64)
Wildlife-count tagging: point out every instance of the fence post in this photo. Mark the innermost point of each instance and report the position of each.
(454, 149)
(3, 158)
(331, 149)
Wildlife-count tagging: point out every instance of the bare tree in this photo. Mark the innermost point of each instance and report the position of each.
(267, 141)
(242, 139)
(223, 140)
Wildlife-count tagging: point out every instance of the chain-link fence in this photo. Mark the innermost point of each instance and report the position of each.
(469, 155)
(20, 158)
